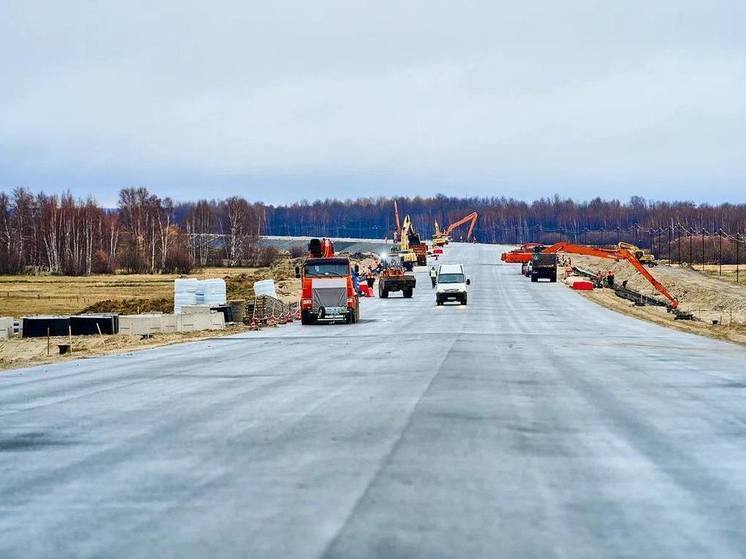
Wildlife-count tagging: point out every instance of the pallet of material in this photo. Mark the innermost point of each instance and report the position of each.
(266, 308)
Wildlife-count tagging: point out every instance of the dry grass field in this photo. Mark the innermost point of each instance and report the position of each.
(46, 294)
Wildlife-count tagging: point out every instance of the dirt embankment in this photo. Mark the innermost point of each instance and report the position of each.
(708, 298)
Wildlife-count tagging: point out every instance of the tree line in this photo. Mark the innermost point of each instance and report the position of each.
(143, 234)
(505, 220)
(149, 234)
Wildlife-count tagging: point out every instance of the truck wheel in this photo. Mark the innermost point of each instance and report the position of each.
(407, 293)
(463, 300)
(306, 318)
(534, 278)
(384, 293)
(357, 314)
(553, 278)
(438, 301)
(350, 318)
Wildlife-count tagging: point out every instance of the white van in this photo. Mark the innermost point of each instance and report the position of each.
(451, 284)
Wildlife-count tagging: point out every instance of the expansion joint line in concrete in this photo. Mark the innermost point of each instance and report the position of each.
(385, 460)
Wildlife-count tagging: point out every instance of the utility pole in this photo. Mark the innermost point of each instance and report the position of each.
(703, 249)
(691, 253)
(669, 243)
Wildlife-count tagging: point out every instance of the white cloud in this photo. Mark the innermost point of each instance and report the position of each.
(571, 94)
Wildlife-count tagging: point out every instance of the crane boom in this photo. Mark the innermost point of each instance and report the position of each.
(471, 217)
(396, 218)
(615, 254)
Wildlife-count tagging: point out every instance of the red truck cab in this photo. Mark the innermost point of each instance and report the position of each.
(327, 288)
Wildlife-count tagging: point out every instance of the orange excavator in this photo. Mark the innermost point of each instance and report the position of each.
(521, 254)
(471, 217)
(614, 254)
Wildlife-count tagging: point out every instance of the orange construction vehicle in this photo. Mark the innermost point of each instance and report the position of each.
(522, 254)
(615, 254)
(327, 288)
(394, 278)
(472, 217)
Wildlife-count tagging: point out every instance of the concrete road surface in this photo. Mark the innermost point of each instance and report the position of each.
(530, 423)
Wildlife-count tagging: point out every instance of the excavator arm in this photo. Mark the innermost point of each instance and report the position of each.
(632, 259)
(618, 254)
(404, 233)
(396, 219)
(471, 217)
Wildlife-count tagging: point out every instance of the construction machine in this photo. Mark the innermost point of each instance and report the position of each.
(327, 287)
(522, 254)
(615, 254)
(410, 249)
(643, 255)
(397, 231)
(472, 217)
(439, 238)
(407, 242)
(394, 278)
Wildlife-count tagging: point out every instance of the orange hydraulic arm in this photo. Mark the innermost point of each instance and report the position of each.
(471, 217)
(618, 254)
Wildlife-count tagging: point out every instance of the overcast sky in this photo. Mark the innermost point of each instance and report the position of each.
(280, 101)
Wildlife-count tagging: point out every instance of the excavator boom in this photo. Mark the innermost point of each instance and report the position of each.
(396, 218)
(471, 217)
(618, 254)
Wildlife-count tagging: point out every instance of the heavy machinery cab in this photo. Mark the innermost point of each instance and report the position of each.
(327, 287)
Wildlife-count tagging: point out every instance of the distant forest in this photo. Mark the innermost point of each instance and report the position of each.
(149, 234)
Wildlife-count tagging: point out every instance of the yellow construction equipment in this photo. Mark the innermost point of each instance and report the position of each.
(439, 238)
(643, 256)
(410, 246)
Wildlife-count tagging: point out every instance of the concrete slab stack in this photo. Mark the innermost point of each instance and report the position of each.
(141, 324)
(6, 327)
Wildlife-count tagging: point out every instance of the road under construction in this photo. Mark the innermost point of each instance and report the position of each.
(529, 423)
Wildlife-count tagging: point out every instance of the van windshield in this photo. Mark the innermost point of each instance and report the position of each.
(451, 278)
(326, 270)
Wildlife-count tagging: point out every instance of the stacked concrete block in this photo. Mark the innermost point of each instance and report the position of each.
(6, 327)
(194, 318)
(217, 321)
(169, 323)
(140, 324)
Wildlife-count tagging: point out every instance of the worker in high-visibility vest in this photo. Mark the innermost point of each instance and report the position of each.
(433, 275)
